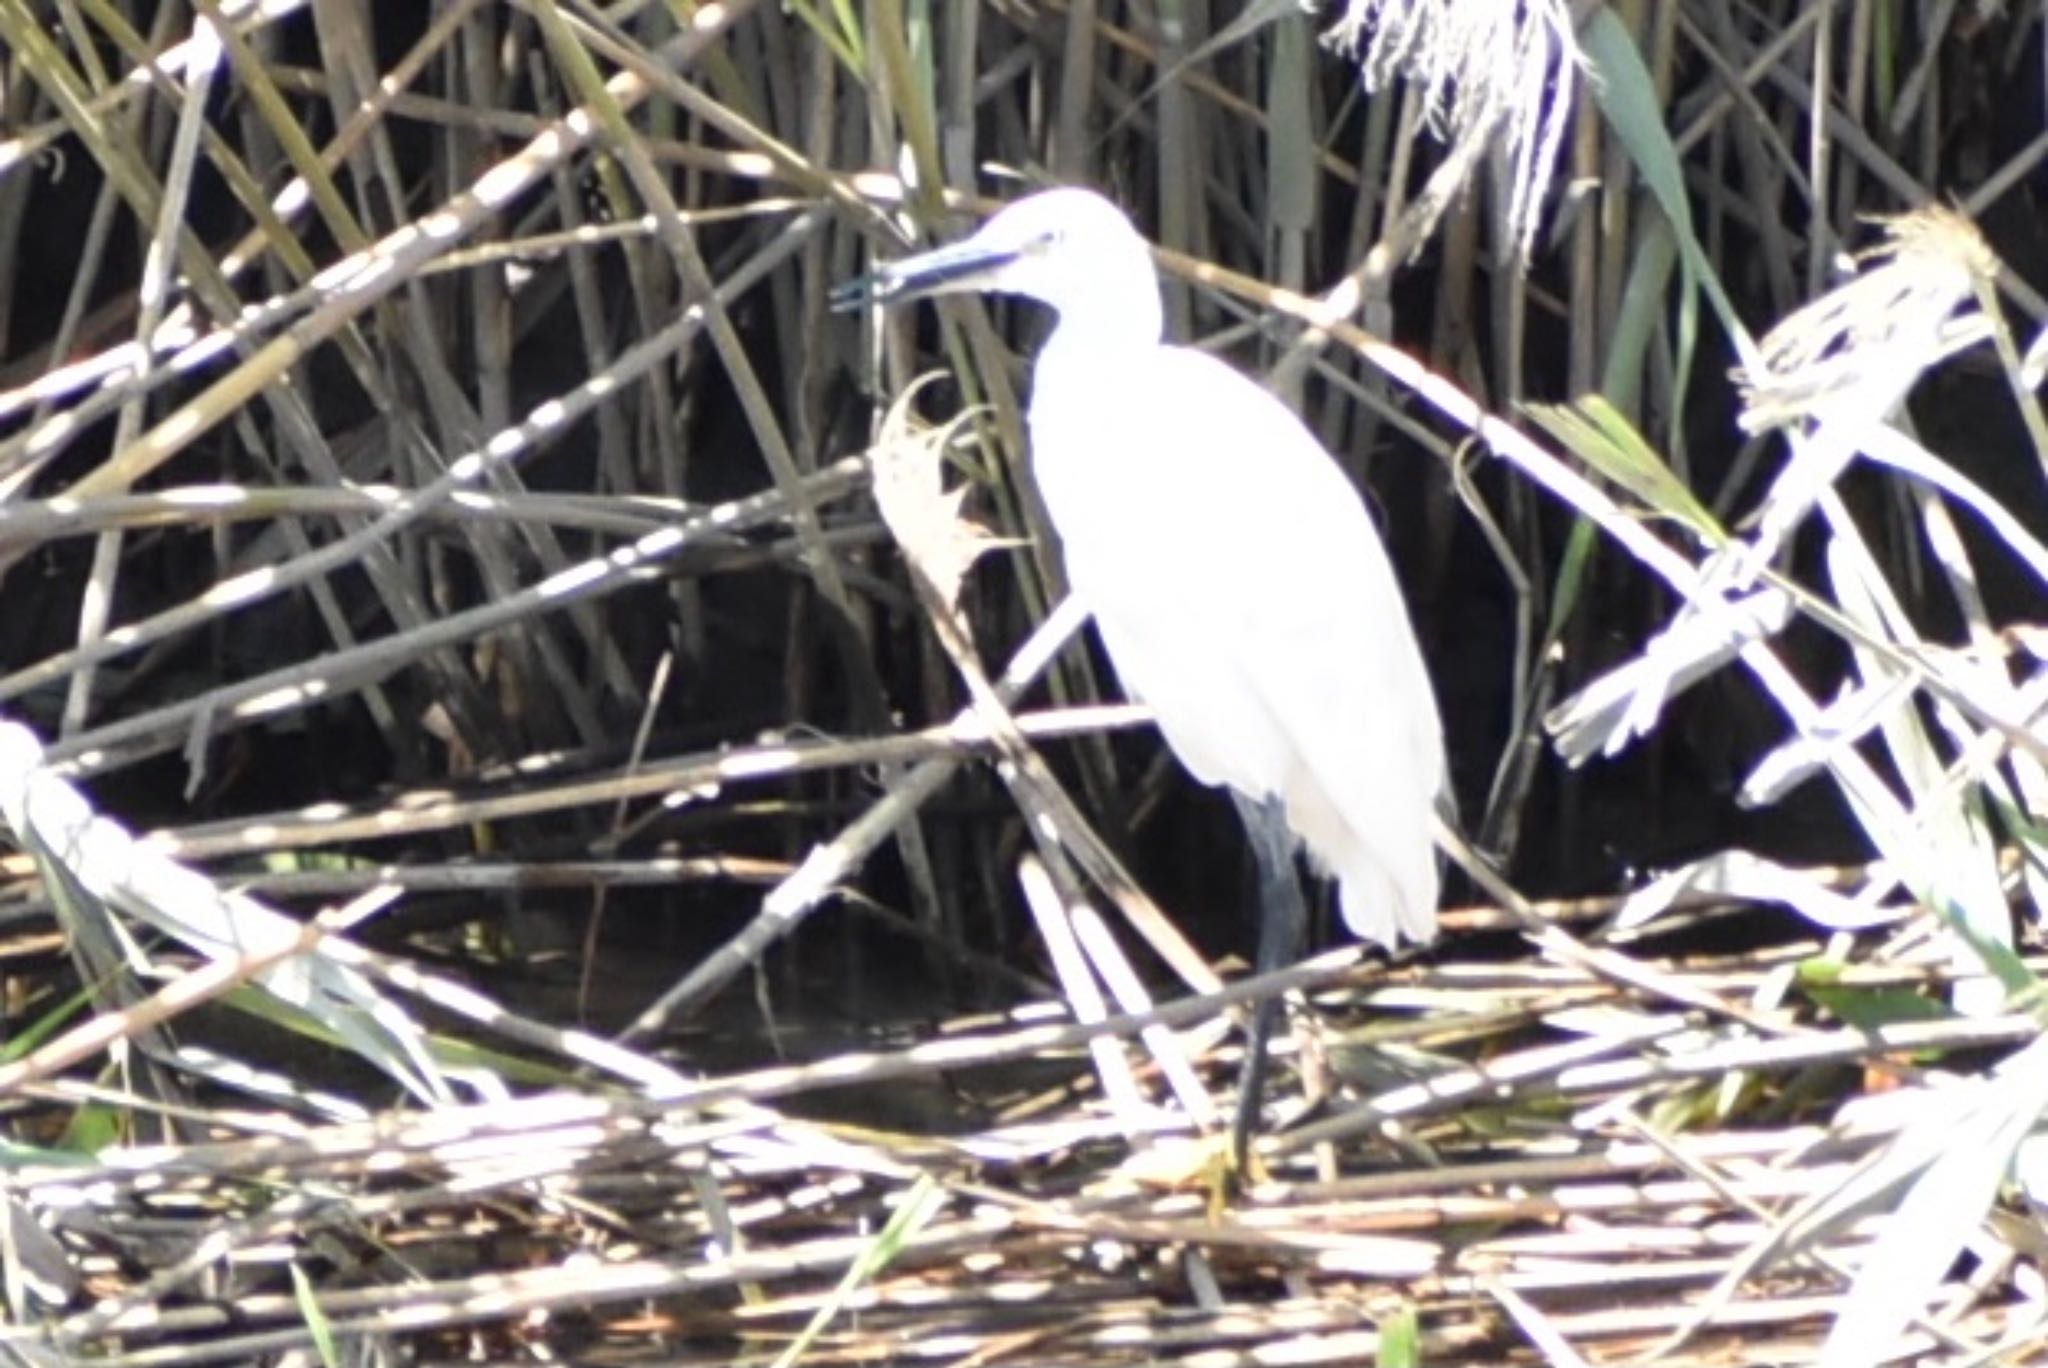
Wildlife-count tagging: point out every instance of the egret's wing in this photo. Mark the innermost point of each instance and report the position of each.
(1243, 593)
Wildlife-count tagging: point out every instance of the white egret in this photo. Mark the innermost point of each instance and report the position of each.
(1233, 571)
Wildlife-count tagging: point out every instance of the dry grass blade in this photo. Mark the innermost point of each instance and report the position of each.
(924, 516)
(309, 973)
(1839, 366)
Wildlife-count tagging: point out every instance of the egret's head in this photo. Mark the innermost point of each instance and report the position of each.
(1069, 248)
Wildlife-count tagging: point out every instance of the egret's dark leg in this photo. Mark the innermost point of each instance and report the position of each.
(1283, 919)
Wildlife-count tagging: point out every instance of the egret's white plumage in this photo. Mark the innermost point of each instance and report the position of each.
(1233, 571)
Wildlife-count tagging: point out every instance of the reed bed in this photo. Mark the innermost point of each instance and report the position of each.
(505, 861)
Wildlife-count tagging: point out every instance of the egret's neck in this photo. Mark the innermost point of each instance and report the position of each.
(1115, 309)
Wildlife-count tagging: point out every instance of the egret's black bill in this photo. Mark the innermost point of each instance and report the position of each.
(945, 270)
(859, 292)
